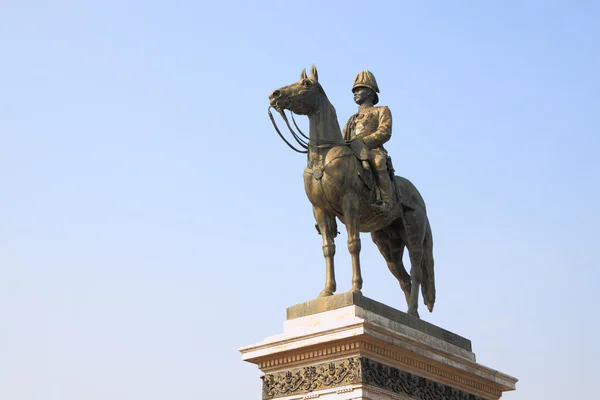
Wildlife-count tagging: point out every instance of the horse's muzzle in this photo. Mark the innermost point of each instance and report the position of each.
(279, 103)
(273, 97)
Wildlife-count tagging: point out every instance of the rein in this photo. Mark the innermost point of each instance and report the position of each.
(305, 146)
(320, 144)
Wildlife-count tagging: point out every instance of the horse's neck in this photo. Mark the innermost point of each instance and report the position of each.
(324, 129)
(324, 125)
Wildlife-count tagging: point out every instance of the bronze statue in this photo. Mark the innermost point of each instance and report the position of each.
(345, 178)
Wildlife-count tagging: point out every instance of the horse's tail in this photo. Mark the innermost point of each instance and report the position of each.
(410, 196)
(428, 278)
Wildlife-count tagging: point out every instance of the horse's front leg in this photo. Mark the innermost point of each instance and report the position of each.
(352, 222)
(328, 230)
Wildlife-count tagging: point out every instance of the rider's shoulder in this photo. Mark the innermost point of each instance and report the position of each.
(382, 109)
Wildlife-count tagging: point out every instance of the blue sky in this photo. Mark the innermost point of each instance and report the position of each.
(151, 221)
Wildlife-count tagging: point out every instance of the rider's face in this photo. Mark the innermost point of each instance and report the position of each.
(361, 94)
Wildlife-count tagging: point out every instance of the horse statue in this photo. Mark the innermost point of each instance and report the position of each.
(338, 186)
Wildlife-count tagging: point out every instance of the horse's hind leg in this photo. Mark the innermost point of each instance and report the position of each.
(416, 255)
(415, 237)
(392, 249)
(328, 230)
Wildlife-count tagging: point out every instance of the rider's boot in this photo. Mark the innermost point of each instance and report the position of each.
(385, 185)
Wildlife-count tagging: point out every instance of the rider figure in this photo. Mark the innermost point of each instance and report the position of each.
(373, 126)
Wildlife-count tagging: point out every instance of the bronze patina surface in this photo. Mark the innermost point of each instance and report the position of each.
(372, 126)
(349, 177)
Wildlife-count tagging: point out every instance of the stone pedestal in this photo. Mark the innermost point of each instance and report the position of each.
(351, 347)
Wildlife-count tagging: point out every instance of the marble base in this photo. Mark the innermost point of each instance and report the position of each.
(350, 347)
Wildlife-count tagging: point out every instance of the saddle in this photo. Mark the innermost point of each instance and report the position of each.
(402, 186)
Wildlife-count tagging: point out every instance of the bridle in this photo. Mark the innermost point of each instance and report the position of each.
(304, 142)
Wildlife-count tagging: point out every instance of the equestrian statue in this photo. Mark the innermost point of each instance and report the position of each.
(349, 176)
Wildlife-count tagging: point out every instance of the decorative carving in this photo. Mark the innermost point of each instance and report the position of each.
(308, 379)
(397, 381)
(358, 370)
(385, 353)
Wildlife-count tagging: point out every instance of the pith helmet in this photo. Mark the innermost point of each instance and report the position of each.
(367, 79)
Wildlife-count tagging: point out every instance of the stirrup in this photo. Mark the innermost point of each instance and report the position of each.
(381, 206)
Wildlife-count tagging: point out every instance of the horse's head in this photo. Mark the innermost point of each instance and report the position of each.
(301, 97)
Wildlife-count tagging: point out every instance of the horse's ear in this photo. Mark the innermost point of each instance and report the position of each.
(314, 73)
(303, 74)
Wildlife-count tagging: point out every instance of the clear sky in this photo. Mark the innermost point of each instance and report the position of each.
(152, 222)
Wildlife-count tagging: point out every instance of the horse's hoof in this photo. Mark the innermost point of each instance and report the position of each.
(356, 290)
(326, 293)
(414, 313)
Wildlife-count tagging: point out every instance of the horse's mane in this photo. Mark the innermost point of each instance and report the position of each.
(327, 98)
